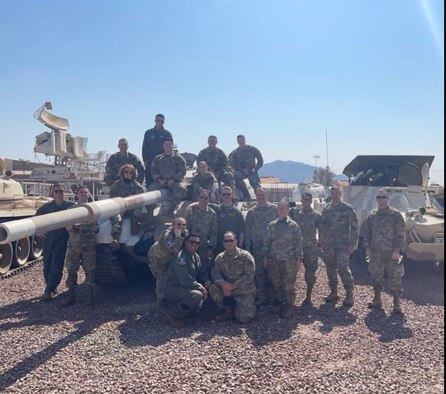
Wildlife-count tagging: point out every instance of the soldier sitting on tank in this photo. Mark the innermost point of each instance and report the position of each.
(186, 285)
(163, 251)
(234, 289)
(217, 162)
(246, 161)
(117, 160)
(81, 247)
(125, 186)
(168, 170)
(204, 179)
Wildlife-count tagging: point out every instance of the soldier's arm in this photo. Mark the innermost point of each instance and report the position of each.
(248, 232)
(267, 242)
(154, 169)
(223, 160)
(368, 231)
(399, 226)
(298, 243)
(354, 233)
(182, 272)
(181, 169)
(214, 231)
(145, 147)
(115, 189)
(259, 158)
(248, 276)
(139, 168)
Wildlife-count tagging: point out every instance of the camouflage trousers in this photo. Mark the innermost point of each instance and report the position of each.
(182, 302)
(311, 255)
(178, 190)
(337, 261)
(380, 262)
(283, 278)
(227, 179)
(76, 254)
(158, 266)
(245, 302)
(254, 179)
(260, 277)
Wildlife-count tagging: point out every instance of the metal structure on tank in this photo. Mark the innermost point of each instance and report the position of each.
(406, 180)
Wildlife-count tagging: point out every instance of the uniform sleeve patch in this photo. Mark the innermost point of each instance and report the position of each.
(182, 261)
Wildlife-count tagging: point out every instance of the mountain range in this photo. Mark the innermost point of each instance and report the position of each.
(291, 171)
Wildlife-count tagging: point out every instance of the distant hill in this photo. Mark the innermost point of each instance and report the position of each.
(291, 171)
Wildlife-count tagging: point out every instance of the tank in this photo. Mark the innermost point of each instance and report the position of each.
(14, 204)
(405, 178)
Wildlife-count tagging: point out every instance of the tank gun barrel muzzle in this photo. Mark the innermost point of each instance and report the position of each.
(18, 229)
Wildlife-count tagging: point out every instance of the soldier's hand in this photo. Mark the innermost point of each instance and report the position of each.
(209, 254)
(41, 235)
(368, 251)
(265, 262)
(204, 292)
(69, 228)
(350, 249)
(207, 284)
(395, 256)
(170, 182)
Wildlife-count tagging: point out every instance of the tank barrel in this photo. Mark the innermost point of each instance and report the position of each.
(18, 229)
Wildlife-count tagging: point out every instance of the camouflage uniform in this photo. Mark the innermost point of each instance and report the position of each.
(241, 159)
(282, 246)
(169, 167)
(340, 231)
(116, 161)
(160, 254)
(183, 288)
(122, 188)
(207, 182)
(384, 233)
(152, 146)
(309, 222)
(238, 268)
(257, 220)
(218, 163)
(204, 224)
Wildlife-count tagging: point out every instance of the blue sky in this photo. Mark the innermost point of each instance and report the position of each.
(371, 73)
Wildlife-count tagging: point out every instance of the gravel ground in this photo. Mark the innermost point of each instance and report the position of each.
(121, 344)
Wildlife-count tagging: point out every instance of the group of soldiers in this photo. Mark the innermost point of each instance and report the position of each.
(214, 252)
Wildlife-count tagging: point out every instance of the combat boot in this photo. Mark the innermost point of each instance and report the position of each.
(396, 304)
(348, 298)
(175, 323)
(288, 311)
(70, 297)
(89, 299)
(377, 302)
(307, 300)
(333, 296)
(228, 314)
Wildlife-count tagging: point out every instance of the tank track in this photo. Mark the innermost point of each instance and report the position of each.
(15, 271)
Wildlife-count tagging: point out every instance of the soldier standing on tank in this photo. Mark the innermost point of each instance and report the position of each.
(257, 220)
(185, 289)
(204, 179)
(81, 247)
(54, 243)
(383, 239)
(152, 145)
(117, 160)
(339, 240)
(310, 223)
(126, 186)
(168, 171)
(202, 220)
(234, 289)
(217, 162)
(282, 252)
(246, 161)
(163, 251)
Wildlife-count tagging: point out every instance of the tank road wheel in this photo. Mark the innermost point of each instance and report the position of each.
(21, 252)
(5, 258)
(36, 246)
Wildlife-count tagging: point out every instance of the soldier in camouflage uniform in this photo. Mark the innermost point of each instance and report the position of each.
(126, 186)
(339, 240)
(257, 220)
(246, 161)
(282, 252)
(383, 239)
(81, 247)
(310, 223)
(234, 283)
(168, 170)
(206, 180)
(163, 251)
(185, 290)
(117, 160)
(217, 162)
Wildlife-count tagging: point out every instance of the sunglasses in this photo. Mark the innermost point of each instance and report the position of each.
(226, 241)
(226, 194)
(180, 224)
(129, 172)
(58, 191)
(381, 197)
(203, 198)
(194, 242)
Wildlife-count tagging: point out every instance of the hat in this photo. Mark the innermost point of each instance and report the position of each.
(382, 192)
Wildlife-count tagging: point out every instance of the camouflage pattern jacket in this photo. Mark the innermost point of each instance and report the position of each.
(168, 246)
(241, 159)
(384, 230)
(116, 161)
(215, 158)
(340, 225)
(204, 224)
(309, 221)
(208, 182)
(283, 241)
(238, 268)
(122, 188)
(168, 167)
(257, 220)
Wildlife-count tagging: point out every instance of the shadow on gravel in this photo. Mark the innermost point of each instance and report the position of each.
(389, 328)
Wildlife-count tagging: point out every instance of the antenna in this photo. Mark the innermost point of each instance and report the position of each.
(315, 157)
